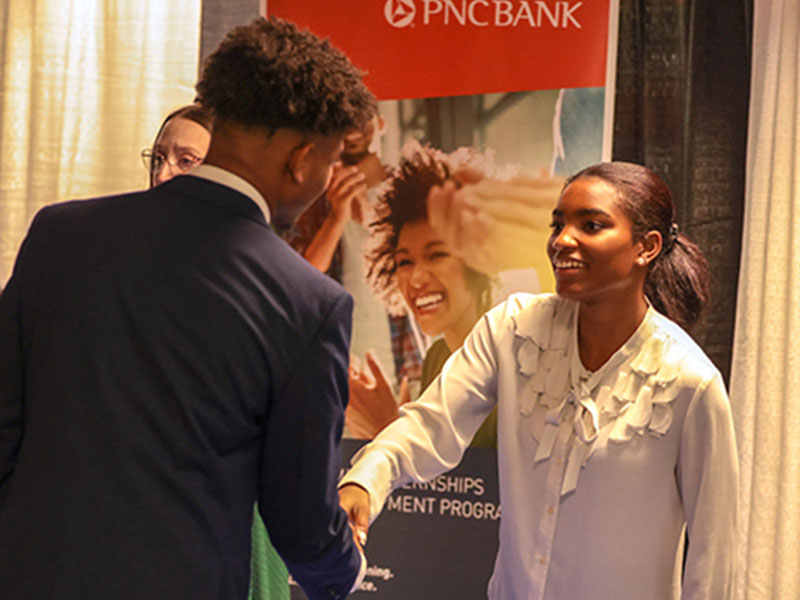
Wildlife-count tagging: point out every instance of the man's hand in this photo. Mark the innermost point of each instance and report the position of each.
(355, 501)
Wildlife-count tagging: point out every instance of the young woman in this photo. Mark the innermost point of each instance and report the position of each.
(180, 145)
(614, 429)
(410, 266)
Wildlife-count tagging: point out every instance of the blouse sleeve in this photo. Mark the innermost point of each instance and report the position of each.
(430, 435)
(708, 475)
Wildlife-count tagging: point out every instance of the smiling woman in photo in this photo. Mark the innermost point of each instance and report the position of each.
(411, 267)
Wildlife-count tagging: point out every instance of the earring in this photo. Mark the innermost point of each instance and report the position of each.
(640, 261)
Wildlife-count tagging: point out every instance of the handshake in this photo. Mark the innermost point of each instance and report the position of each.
(354, 499)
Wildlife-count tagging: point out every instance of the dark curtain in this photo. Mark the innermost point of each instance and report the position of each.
(683, 82)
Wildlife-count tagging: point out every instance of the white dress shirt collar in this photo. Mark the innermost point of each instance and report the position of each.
(228, 179)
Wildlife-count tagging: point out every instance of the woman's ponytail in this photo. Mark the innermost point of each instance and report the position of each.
(678, 283)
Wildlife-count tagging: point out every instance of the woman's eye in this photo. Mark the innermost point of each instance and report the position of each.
(556, 226)
(438, 255)
(593, 226)
(402, 262)
(188, 161)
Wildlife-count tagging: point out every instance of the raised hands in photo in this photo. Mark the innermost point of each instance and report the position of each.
(496, 225)
(372, 404)
(345, 192)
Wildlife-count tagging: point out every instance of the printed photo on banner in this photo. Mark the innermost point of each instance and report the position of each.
(502, 99)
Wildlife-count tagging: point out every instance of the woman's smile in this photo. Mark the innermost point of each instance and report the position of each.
(427, 302)
(433, 282)
(592, 249)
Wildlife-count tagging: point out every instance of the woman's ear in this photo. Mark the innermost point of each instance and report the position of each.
(298, 164)
(651, 245)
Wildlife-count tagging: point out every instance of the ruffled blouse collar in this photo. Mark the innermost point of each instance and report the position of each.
(630, 394)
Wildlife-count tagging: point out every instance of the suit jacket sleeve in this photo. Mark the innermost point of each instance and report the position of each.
(12, 378)
(301, 461)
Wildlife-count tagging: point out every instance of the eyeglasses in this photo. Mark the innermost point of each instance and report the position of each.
(154, 162)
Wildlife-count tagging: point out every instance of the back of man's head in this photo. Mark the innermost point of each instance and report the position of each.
(270, 74)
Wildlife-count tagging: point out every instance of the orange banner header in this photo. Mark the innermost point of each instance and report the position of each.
(431, 48)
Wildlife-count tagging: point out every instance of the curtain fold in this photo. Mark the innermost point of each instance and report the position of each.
(84, 85)
(683, 72)
(765, 383)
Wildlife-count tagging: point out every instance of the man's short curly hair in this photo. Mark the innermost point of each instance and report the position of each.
(403, 200)
(271, 74)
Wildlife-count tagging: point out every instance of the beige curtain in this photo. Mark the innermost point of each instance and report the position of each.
(765, 380)
(83, 87)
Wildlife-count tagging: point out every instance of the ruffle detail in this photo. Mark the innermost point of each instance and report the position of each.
(645, 392)
(542, 333)
(534, 323)
(538, 354)
(635, 394)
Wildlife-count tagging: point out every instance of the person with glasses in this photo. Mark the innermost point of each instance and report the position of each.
(180, 145)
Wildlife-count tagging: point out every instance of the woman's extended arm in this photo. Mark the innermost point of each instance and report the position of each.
(431, 434)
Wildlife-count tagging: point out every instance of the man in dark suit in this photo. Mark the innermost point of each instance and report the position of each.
(166, 360)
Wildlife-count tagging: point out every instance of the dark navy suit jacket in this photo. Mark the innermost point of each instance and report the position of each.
(165, 361)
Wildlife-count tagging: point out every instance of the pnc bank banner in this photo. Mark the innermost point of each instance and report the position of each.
(523, 87)
(429, 48)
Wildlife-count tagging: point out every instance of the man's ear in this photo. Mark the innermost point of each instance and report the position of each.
(299, 160)
(650, 246)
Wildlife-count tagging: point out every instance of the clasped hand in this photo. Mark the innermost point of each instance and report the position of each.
(355, 501)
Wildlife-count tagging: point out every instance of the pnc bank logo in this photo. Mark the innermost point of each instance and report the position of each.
(400, 13)
(555, 14)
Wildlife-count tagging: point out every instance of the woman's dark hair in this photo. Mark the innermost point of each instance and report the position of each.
(678, 281)
(272, 74)
(404, 200)
(193, 112)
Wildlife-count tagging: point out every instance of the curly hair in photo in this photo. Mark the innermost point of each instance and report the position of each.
(403, 199)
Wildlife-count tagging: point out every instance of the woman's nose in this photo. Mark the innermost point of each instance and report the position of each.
(167, 172)
(171, 169)
(564, 238)
(419, 275)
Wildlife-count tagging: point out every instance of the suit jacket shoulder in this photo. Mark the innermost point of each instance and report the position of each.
(199, 364)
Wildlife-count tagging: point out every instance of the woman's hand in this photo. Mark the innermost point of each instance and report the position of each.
(343, 193)
(355, 501)
(372, 404)
(496, 225)
(347, 188)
